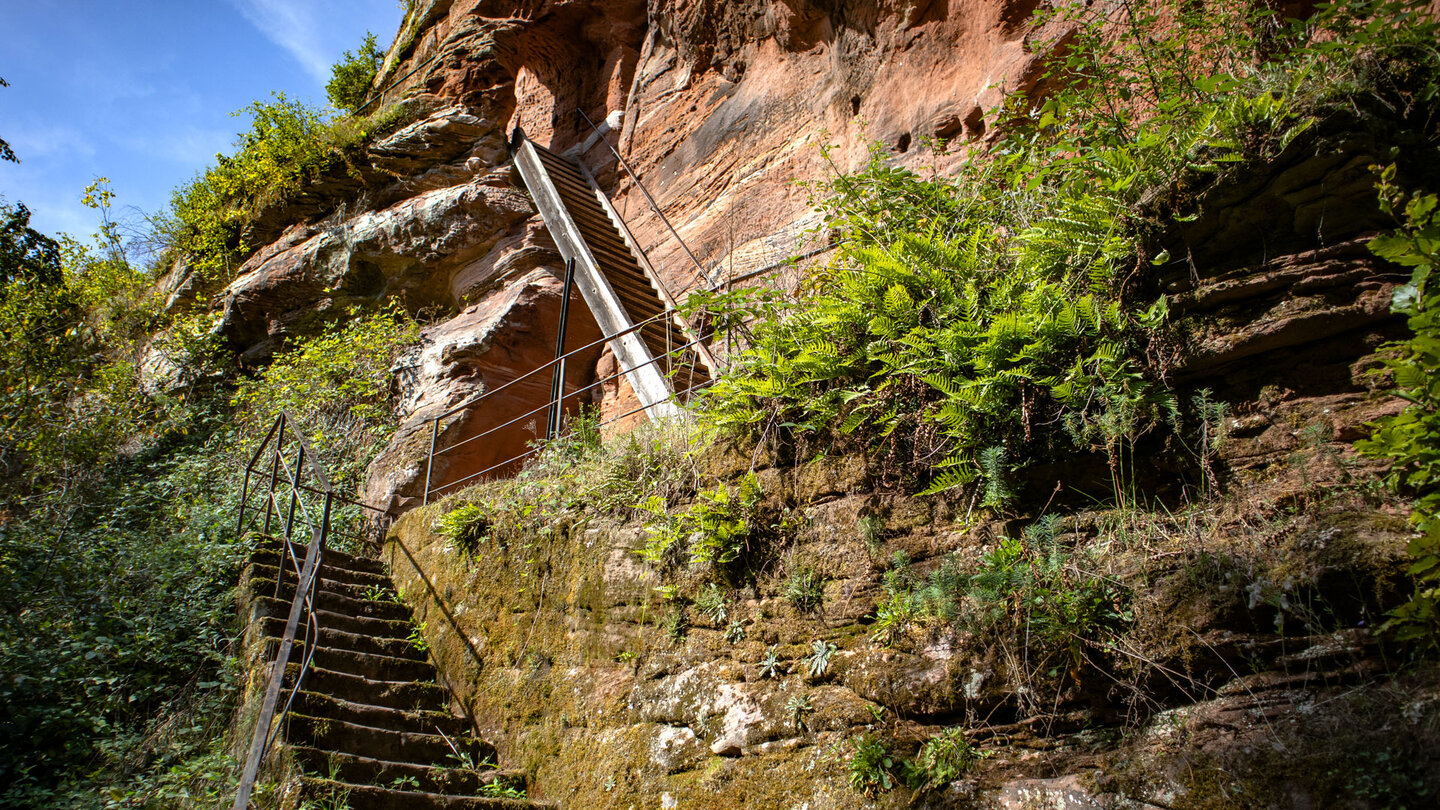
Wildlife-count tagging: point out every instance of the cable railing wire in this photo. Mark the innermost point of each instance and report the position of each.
(617, 375)
(535, 449)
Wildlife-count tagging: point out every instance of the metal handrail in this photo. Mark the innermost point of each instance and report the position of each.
(537, 448)
(592, 344)
(291, 486)
(435, 421)
(617, 375)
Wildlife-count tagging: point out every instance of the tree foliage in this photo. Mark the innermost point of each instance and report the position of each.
(351, 77)
(24, 251)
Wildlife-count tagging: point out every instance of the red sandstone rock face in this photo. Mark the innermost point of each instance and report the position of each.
(489, 347)
(726, 104)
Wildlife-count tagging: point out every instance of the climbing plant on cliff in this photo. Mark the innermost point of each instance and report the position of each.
(971, 326)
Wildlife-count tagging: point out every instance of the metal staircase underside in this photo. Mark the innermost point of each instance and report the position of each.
(616, 280)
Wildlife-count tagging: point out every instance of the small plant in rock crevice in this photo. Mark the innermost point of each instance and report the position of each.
(676, 624)
(818, 662)
(943, 758)
(417, 639)
(467, 526)
(804, 589)
(871, 765)
(735, 633)
(797, 707)
(712, 603)
(770, 664)
(714, 533)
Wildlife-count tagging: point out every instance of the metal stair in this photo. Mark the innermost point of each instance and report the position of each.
(664, 356)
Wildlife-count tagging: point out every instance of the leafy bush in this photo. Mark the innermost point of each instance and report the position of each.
(337, 386)
(284, 146)
(351, 77)
(115, 627)
(287, 145)
(24, 251)
(715, 531)
(1410, 440)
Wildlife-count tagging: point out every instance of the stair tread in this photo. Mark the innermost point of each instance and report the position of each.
(365, 797)
(318, 704)
(450, 781)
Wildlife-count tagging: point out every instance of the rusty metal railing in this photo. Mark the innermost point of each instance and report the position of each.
(554, 406)
(300, 506)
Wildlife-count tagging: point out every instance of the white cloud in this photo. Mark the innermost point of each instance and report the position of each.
(296, 26)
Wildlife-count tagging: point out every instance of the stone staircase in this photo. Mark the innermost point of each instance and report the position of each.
(370, 729)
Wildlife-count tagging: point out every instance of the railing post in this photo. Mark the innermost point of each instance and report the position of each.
(430, 459)
(244, 494)
(294, 498)
(557, 384)
(274, 473)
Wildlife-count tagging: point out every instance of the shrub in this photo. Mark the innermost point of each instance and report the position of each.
(287, 146)
(337, 386)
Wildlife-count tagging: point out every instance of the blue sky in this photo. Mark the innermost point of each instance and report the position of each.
(141, 91)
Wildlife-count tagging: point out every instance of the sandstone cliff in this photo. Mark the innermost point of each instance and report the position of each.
(722, 110)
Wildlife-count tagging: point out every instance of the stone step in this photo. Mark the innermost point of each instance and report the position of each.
(350, 662)
(262, 579)
(425, 721)
(348, 606)
(365, 625)
(403, 695)
(371, 797)
(453, 781)
(377, 645)
(329, 734)
(374, 667)
(263, 607)
(270, 561)
(330, 558)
